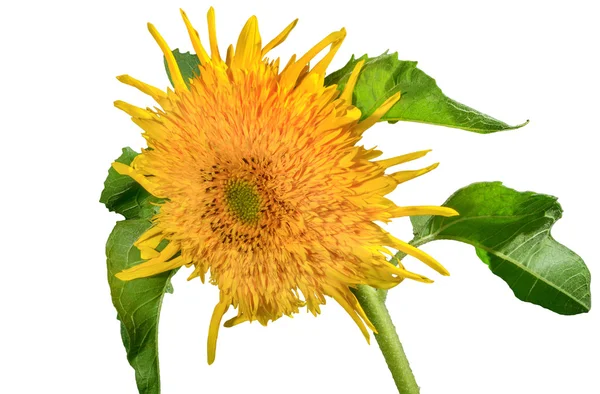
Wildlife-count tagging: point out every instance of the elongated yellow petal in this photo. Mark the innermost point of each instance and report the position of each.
(249, 44)
(150, 233)
(403, 273)
(132, 110)
(279, 39)
(148, 253)
(378, 114)
(213, 329)
(403, 176)
(176, 76)
(230, 55)
(124, 169)
(349, 88)
(336, 295)
(150, 90)
(393, 161)
(417, 253)
(324, 43)
(236, 320)
(150, 268)
(199, 271)
(423, 210)
(212, 36)
(289, 64)
(321, 67)
(195, 38)
(148, 247)
(291, 73)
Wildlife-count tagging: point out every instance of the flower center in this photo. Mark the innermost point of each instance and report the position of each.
(243, 200)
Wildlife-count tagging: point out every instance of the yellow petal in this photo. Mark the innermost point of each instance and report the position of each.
(133, 110)
(378, 114)
(249, 44)
(124, 169)
(148, 247)
(230, 55)
(195, 38)
(350, 309)
(176, 76)
(155, 265)
(150, 233)
(279, 39)
(405, 274)
(212, 36)
(235, 321)
(290, 74)
(423, 210)
(349, 88)
(417, 253)
(148, 252)
(403, 176)
(150, 90)
(213, 329)
(150, 268)
(393, 161)
(321, 67)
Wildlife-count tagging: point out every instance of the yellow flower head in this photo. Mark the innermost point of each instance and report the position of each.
(264, 183)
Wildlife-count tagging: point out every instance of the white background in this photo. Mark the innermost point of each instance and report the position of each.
(467, 333)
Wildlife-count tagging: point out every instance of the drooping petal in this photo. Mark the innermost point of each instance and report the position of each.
(213, 330)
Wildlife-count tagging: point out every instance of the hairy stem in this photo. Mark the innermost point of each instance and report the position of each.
(373, 303)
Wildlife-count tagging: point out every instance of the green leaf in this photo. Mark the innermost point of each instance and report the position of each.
(123, 195)
(188, 63)
(421, 101)
(511, 231)
(138, 303)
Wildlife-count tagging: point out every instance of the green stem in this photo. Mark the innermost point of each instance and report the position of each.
(373, 303)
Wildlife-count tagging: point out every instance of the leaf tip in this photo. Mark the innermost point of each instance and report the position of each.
(519, 125)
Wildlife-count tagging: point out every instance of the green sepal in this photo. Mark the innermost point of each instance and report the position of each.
(511, 233)
(123, 195)
(421, 99)
(188, 63)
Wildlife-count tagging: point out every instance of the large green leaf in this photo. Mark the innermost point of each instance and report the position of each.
(138, 303)
(123, 195)
(421, 101)
(511, 231)
(188, 63)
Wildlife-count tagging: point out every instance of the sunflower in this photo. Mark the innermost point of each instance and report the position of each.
(263, 183)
